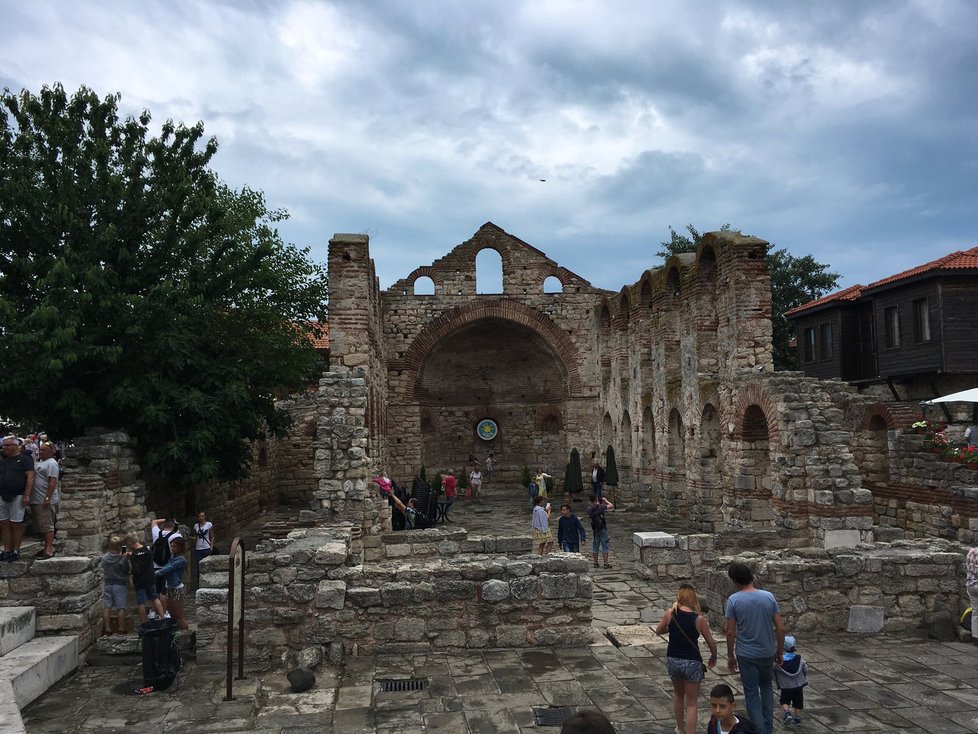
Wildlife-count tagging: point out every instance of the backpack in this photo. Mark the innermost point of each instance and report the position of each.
(598, 522)
(533, 489)
(161, 549)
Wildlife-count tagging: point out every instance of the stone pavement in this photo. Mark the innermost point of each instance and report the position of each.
(857, 684)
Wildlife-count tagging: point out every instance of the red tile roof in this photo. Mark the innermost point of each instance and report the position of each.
(320, 340)
(960, 260)
(851, 293)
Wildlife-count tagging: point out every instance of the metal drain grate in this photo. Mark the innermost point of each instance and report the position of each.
(400, 685)
(552, 715)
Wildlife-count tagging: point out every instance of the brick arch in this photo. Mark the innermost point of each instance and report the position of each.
(755, 394)
(496, 308)
(620, 320)
(421, 272)
(874, 414)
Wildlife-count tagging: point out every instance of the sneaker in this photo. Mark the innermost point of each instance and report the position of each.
(166, 615)
(13, 556)
(797, 721)
(787, 718)
(4, 556)
(152, 615)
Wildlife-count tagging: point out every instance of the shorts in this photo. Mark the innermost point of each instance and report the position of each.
(115, 596)
(599, 541)
(794, 697)
(682, 669)
(146, 594)
(12, 510)
(570, 547)
(542, 536)
(44, 517)
(175, 594)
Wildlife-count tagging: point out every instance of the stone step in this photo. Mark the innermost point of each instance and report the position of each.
(130, 644)
(37, 665)
(16, 628)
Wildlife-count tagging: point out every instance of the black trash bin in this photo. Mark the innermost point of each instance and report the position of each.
(161, 658)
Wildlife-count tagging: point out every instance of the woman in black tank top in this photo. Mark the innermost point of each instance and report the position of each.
(686, 623)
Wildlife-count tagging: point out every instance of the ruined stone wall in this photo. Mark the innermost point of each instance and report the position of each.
(306, 601)
(911, 583)
(674, 371)
(101, 492)
(920, 495)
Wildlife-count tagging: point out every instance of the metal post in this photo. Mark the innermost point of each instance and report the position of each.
(235, 614)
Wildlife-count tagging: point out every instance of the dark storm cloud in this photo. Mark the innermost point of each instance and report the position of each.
(833, 128)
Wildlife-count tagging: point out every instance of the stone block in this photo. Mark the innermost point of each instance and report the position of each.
(865, 620)
(654, 539)
(495, 590)
(64, 565)
(841, 539)
(558, 586)
(331, 595)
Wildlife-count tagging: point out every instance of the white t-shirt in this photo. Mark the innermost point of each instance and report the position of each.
(42, 473)
(475, 478)
(205, 542)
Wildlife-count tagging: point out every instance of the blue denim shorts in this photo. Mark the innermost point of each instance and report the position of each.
(115, 596)
(599, 541)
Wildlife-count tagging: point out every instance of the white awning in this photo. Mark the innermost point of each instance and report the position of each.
(965, 396)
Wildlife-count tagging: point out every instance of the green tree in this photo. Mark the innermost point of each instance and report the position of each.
(139, 291)
(794, 281)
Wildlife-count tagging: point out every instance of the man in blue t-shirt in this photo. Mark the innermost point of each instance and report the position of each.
(754, 621)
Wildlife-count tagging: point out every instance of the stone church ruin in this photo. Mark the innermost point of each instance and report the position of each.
(835, 504)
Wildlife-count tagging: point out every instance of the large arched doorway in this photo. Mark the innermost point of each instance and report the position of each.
(495, 369)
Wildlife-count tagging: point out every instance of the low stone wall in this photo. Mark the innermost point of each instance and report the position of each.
(303, 603)
(449, 542)
(912, 584)
(65, 591)
(924, 496)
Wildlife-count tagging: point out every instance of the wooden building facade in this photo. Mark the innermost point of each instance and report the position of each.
(923, 321)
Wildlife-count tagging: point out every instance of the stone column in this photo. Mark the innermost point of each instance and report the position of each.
(100, 491)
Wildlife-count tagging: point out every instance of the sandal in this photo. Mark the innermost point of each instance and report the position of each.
(142, 691)
(106, 633)
(42, 556)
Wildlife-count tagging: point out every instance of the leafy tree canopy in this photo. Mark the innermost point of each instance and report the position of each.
(794, 281)
(139, 291)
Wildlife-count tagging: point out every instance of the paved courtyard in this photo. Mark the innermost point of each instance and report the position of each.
(857, 684)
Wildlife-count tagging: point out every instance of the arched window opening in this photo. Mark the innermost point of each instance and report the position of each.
(755, 425)
(673, 284)
(624, 311)
(550, 424)
(488, 271)
(645, 295)
(604, 320)
(553, 285)
(709, 436)
(677, 440)
(707, 263)
(627, 460)
(424, 286)
(648, 441)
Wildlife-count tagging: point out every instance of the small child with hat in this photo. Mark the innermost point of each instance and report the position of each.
(792, 678)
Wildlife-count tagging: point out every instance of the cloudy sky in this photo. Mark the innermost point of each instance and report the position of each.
(846, 130)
